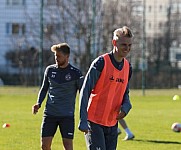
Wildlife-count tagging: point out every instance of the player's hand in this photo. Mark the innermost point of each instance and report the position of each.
(121, 115)
(35, 108)
(83, 126)
(85, 131)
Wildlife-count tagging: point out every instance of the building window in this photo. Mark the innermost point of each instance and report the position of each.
(178, 57)
(149, 9)
(50, 29)
(51, 2)
(149, 25)
(15, 2)
(160, 25)
(161, 8)
(15, 28)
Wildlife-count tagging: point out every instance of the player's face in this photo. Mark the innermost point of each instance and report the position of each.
(124, 46)
(61, 59)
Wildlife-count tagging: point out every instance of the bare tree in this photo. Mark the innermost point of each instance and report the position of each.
(118, 13)
(87, 26)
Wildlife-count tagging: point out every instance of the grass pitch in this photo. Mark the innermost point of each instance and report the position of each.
(150, 120)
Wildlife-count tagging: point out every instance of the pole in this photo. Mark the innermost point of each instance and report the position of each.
(41, 45)
(93, 28)
(143, 51)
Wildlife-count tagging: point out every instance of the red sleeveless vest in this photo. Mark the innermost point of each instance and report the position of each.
(106, 98)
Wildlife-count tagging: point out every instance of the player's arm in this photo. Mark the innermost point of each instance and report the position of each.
(126, 104)
(89, 83)
(42, 93)
(80, 82)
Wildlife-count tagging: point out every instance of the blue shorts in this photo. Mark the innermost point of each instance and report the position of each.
(101, 137)
(65, 124)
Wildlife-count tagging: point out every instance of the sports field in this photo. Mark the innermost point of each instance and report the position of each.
(150, 120)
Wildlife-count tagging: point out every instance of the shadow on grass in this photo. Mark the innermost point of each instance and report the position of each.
(158, 141)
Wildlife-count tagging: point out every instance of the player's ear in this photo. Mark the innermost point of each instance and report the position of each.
(114, 42)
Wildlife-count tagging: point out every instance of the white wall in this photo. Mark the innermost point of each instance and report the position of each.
(16, 14)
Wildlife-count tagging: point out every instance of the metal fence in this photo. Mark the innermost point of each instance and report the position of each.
(29, 28)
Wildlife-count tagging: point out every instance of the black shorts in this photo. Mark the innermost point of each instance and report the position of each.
(50, 124)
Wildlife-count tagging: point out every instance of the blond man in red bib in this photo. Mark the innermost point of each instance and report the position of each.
(104, 97)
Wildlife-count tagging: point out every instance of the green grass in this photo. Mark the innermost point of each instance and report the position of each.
(150, 120)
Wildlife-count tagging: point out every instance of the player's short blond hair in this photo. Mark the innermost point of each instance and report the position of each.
(62, 47)
(122, 32)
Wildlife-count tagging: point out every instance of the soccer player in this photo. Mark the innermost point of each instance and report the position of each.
(129, 134)
(104, 97)
(61, 81)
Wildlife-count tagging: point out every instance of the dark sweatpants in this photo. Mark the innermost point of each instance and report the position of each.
(101, 137)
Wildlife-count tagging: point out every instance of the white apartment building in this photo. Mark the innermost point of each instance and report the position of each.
(21, 22)
(14, 26)
(156, 17)
(19, 17)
